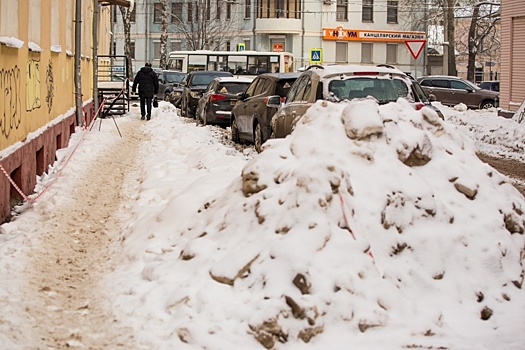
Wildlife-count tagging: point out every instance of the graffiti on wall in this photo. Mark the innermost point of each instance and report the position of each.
(33, 85)
(10, 102)
(50, 85)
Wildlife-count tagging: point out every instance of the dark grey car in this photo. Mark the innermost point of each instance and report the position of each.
(251, 117)
(451, 91)
(167, 80)
(193, 86)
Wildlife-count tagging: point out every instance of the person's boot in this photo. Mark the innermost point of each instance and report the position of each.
(148, 117)
(142, 118)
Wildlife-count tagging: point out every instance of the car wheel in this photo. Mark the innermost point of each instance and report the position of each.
(258, 138)
(487, 104)
(235, 131)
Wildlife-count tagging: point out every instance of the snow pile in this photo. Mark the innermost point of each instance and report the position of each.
(371, 225)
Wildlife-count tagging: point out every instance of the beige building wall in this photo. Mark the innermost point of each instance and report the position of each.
(37, 80)
(512, 86)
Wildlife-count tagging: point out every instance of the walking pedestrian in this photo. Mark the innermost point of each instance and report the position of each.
(148, 83)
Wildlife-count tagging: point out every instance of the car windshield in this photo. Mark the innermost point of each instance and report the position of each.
(205, 79)
(383, 90)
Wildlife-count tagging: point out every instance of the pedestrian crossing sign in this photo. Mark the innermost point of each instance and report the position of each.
(316, 56)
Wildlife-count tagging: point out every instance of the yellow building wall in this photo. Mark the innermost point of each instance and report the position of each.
(40, 86)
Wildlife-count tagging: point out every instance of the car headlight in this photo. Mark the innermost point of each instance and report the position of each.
(176, 93)
(195, 94)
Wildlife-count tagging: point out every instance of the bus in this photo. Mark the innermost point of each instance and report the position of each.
(235, 62)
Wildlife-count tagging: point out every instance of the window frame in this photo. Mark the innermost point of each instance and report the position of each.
(367, 11)
(341, 10)
(392, 11)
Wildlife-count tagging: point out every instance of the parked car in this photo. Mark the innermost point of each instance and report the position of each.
(218, 99)
(492, 85)
(251, 116)
(338, 83)
(193, 86)
(451, 91)
(167, 80)
(122, 78)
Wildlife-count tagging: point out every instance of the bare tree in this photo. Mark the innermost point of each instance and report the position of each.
(205, 27)
(126, 19)
(483, 39)
(164, 35)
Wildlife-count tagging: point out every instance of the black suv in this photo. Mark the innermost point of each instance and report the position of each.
(193, 86)
(251, 116)
(338, 83)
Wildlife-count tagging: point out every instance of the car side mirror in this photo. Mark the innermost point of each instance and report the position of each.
(241, 96)
(273, 101)
(470, 89)
(182, 83)
(161, 80)
(432, 97)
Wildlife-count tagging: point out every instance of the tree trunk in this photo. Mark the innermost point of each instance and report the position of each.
(472, 47)
(126, 19)
(451, 38)
(164, 35)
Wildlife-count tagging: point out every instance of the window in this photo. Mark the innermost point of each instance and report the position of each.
(247, 9)
(218, 9)
(132, 50)
(190, 12)
(458, 85)
(208, 10)
(228, 10)
(391, 53)
(366, 53)
(293, 94)
(391, 12)
(247, 44)
(341, 52)
(157, 12)
(342, 10)
(368, 11)
(35, 13)
(132, 15)
(251, 89)
(55, 23)
(176, 12)
(228, 46)
(156, 50)
(279, 9)
(441, 83)
(176, 45)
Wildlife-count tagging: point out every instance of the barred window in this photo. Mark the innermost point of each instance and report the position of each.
(157, 12)
(176, 12)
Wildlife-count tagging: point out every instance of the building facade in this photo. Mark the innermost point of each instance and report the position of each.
(512, 81)
(37, 77)
(365, 32)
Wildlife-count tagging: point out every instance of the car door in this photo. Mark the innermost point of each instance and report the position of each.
(251, 105)
(441, 89)
(203, 101)
(285, 116)
(462, 93)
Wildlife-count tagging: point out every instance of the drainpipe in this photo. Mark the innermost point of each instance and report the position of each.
(78, 42)
(95, 54)
(254, 47)
(303, 13)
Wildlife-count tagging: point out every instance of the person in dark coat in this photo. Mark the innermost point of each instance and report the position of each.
(148, 83)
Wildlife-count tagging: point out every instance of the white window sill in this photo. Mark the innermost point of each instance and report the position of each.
(11, 42)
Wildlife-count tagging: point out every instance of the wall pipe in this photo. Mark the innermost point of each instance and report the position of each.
(78, 80)
(95, 54)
